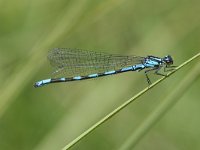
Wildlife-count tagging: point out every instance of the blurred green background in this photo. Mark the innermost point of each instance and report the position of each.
(52, 116)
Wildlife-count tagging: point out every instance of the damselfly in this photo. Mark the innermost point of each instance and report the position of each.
(76, 64)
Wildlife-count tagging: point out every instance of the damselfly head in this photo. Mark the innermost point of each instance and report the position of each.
(168, 60)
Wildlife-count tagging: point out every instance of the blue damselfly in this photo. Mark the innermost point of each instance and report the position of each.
(76, 65)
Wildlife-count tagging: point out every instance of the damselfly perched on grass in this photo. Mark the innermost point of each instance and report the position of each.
(76, 64)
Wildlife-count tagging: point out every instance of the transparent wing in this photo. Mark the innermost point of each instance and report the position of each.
(73, 62)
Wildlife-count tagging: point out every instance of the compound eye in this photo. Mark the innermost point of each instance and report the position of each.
(168, 59)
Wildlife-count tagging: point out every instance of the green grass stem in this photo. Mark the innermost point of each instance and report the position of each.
(115, 111)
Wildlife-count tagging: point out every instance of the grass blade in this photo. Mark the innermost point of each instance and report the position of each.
(114, 112)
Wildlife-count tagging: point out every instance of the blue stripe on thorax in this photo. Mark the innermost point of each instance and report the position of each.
(151, 63)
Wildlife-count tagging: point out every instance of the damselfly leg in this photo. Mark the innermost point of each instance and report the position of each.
(169, 68)
(146, 74)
